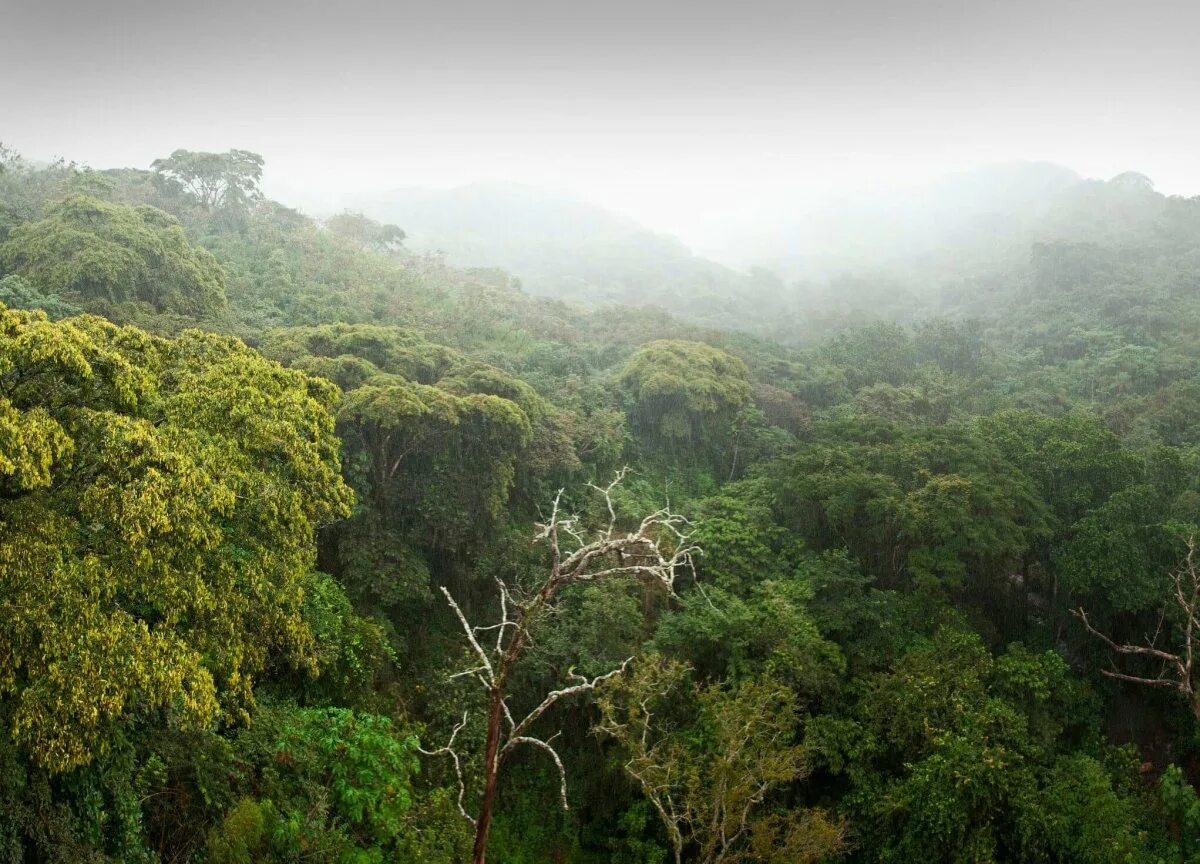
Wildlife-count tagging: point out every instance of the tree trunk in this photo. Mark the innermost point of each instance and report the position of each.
(490, 762)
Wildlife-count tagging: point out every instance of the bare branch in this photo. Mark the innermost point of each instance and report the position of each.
(467, 672)
(1148, 651)
(1152, 682)
(607, 493)
(1186, 590)
(449, 750)
(562, 772)
(655, 552)
(487, 664)
(504, 621)
(584, 686)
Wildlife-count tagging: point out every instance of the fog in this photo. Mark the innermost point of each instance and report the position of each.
(710, 121)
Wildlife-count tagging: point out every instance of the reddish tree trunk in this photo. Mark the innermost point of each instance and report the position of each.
(490, 762)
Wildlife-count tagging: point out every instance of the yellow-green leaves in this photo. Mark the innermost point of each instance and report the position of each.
(30, 443)
(685, 391)
(94, 666)
(158, 501)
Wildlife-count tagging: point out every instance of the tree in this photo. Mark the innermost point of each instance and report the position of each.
(99, 254)
(215, 180)
(953, 755)
(1075, 459)
(1179, 799)
(27, 190)
(876, 353)
(1176, 659)
(653, 552)
(16, 293)
(392, 350)
(915, 502)
(685, 393)
(448, 459)
(158, 501)
(708, 757)
(439, 436)
(366, 232)
(327, 784)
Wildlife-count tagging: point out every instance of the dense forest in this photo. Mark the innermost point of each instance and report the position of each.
(317, 548)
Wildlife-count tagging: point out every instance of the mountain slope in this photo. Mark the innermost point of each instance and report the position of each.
(558, 246)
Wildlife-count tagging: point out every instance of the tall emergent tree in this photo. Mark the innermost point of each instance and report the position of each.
(685, 394)
(366, 232)
(655, 551)
(215, 180)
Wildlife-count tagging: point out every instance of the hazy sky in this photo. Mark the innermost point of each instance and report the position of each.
(686, 115)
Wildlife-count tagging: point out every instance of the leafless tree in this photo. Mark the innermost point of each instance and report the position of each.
(655, 552)
(1175, 667)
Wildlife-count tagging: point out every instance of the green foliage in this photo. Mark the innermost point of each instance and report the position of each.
(768, 633)
(915, 502)
(331, 785)
(217, 181)
(437, 438)
(1122, 551)
(685, 394)
(351, 651)
(874, 354)
(743, 542)
(369, 766)
(16, 293)
(242, 835)
(953, 755)
(1079, 816)
(1182, 806)
(1076, 462)
(366, 232)
(706, 757)
(158, 510)
(466, 445)
(106, 255)
(379, 349)
(208, 652)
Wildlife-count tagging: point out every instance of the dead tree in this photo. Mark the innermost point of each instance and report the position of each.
(1175, 667)
(655, 552)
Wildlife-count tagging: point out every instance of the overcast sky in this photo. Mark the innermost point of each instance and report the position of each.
(684, 115)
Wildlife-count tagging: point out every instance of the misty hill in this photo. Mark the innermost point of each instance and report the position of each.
(864, 503)
(981, 245)
(966, 222)
(902, 226)
(560, 247)
(964, 245)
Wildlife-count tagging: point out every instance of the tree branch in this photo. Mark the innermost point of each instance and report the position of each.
(552, 697)
(544, 745)
(487, 664)
(453, 754)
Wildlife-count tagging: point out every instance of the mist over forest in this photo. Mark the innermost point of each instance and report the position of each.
(654, 433)
(940, 249)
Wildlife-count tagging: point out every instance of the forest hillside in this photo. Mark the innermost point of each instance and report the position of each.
(318, 546)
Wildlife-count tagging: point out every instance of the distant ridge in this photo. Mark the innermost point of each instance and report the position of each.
(556, 245)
